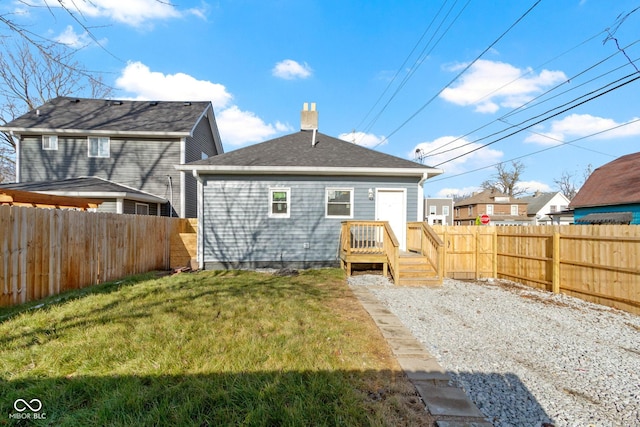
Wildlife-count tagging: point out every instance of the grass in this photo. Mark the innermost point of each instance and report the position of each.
(204, 349)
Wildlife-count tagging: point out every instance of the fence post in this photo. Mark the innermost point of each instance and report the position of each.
(555, 286)
(477, 228)
(494, 242)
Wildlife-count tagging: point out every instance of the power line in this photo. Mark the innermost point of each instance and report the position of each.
(459, 74)
(541, 151)
(541, 121)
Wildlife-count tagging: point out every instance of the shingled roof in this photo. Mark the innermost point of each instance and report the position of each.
(616, 183)
(296, 153)
(66, 115)
(85, 186)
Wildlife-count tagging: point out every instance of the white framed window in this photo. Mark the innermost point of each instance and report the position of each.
(445, 210)
(432, 209)
(142, 209)
(98, 146)
(279, 202)
(514, 210)
(49, 142)
(470, 210)
(339, 202)
(489, 209)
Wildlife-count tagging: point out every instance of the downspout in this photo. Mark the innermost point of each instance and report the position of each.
(200, 231)
(16, 141)
(170, 196)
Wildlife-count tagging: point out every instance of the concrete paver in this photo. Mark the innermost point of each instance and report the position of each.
(448, 404)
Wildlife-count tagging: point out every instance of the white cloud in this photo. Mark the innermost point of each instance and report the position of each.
(290, 69)
(130, 12)
(70, 38)
(490, 85)
(455, 192)
(139, 79)
(533, 186)
(237, 127)
(580, 125)
(456, 147)
(364, 139)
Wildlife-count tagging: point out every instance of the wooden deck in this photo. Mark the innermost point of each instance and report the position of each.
(373, 242)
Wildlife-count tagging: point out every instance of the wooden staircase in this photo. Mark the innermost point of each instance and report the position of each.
(365, 242)
(415, 270)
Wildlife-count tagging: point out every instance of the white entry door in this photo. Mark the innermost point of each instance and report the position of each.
(391, 206)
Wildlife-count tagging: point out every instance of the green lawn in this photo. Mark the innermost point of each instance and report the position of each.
(203, 349)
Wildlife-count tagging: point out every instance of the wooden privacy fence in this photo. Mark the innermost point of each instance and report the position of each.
(48, 251)
(598, 263)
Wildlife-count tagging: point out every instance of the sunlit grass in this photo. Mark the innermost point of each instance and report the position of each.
(208, 348)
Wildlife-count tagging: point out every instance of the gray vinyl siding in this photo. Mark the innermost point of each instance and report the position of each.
(143, 164)
(201, 142)
(108, 206)
(237, 230)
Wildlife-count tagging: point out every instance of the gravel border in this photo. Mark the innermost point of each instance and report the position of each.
(525, 357)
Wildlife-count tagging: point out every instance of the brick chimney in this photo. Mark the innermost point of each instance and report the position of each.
(309, 118)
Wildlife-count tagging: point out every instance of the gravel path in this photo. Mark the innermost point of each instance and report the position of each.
(526, 357)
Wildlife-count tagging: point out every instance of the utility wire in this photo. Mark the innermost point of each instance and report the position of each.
(459, 74)
(541, 121)
(541, 151)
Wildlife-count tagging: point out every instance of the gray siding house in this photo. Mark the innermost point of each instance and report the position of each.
(281, 202)
(133, 144)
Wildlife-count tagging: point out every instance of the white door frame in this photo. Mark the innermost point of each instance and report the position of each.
(402, 236)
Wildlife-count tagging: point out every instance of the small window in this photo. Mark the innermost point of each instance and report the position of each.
(553, 208)
(432, 209)
(339, 202)
(49, 142)
(99, 146)
(203, 155)
(489, 209)
(445, 210)
(142, 209)
(470, 210)
(514, 210)
(279, 202)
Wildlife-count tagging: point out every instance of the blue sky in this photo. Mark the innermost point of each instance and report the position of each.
(443, 77)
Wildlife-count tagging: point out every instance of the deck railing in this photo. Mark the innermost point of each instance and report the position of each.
(422, 239)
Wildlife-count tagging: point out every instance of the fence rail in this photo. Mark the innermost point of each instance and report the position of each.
(598, 263)
(49, 251)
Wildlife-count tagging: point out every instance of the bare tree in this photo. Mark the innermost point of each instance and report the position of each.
(506, 180)
(29, 78)
(567, 183)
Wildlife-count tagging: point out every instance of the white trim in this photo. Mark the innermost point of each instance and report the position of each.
(106, 195)
(17, 141)
(287, 214)
(63, 132)
(142, 204)
(303, 170)
(99, 139)
(119, 206)
(326, 202)
(55, 137)
(200, 231)
(183, 184)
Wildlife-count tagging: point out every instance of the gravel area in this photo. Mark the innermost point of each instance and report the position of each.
(525, 357)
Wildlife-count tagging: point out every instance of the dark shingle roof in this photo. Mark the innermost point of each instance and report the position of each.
(296, 150)
(616, 183)
(488, 197)
(82, 114)
(85, 185)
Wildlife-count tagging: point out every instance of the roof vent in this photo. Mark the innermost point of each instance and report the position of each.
(153, 103)
(116, 102)
(186, 104)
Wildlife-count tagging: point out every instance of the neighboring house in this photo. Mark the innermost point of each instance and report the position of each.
(611, 194)
(502, 209)
(541, 208)
(133, 144)
(438, 211)
(282, 202)
(115, 198)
